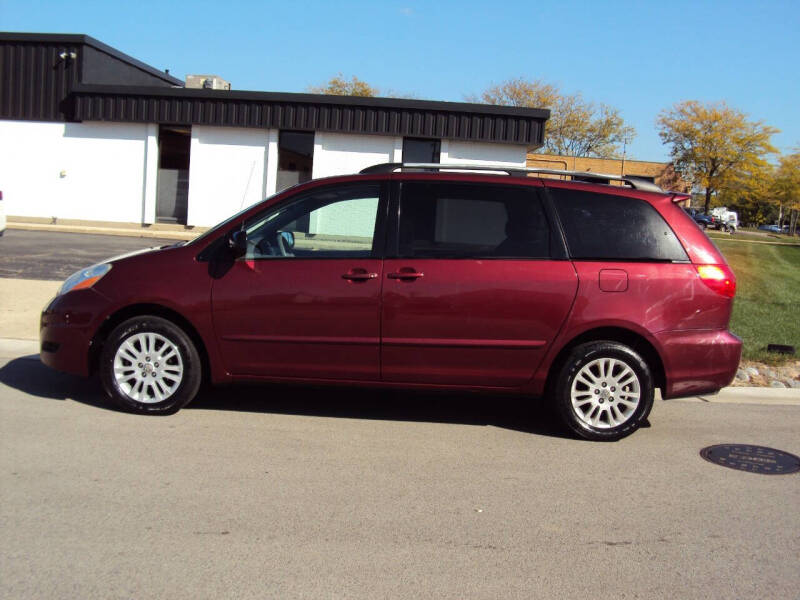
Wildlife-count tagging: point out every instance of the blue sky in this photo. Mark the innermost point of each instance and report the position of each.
(640, 57)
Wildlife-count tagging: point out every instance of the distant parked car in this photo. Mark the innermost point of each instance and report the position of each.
(724, 219)
(771, 228)
(705, 221)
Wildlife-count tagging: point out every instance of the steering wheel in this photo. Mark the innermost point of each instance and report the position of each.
(282, 245)
(276, 247)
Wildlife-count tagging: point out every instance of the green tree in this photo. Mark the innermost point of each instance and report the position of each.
(339, 86)
(713, 145)
(577, 127)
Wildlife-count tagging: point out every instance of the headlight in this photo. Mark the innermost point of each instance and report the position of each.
(85, 278)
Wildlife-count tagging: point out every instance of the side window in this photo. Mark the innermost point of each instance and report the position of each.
(331, 223)
(607, 226)
(450, 220)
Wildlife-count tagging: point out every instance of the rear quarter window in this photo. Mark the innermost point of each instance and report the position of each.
(611, 227)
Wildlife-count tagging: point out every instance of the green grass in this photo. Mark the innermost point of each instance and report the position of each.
(773, 238)
(767, 305)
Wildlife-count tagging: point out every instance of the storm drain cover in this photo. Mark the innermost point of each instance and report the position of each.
(754, 459)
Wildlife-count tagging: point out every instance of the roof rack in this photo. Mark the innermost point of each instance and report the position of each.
(636, 183)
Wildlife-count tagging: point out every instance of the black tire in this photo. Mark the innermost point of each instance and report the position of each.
(181, 356)
(598, 404)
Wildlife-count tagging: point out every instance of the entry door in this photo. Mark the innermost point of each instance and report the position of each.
(478, 293)
(172, 197)
(304, 300)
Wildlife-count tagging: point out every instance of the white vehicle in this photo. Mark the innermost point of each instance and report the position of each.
(727, 220)
(2, 216)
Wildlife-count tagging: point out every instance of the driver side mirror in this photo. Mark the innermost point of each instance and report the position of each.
(237, 243)
(288, 239)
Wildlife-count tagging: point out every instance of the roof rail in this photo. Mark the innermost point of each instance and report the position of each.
(636, 183)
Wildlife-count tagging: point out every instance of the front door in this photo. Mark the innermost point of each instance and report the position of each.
(479, 289)
(304, 300)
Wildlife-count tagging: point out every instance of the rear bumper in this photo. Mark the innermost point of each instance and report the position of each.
(67, 327)
(698, 362)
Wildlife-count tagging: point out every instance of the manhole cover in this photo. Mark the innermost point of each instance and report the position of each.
(755, 459)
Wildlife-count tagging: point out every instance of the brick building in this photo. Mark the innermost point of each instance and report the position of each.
(661, 173)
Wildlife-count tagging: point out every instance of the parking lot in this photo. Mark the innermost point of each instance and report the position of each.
(292, 492)
(56, 255)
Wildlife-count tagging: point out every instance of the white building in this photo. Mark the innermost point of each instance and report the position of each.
(89, 133)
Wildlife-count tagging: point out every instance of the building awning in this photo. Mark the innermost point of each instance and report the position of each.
(310, 112)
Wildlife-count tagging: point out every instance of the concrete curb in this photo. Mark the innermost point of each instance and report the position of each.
(140, 232)
(755, 395)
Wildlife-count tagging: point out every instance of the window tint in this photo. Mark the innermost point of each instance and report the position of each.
(606, 226)
(335, 223)
(469, 220)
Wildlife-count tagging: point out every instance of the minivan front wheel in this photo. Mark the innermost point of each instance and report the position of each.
(604, 391)
(149, 365)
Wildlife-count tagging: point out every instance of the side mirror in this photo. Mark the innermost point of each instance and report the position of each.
(288, 239)
(237, 243)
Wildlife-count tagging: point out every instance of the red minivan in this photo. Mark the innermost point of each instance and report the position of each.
(589, 295)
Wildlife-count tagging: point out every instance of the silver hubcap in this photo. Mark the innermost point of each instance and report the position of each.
(605, 393)
(148, 368)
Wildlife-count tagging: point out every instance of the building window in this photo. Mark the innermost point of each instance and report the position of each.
(295, 158)
(172, 196)
(417, 150)
(645, 177)
(591, 179)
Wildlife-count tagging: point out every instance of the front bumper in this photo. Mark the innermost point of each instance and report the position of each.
(698, 362)
(67, 326)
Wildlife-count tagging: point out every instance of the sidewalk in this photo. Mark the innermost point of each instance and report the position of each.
(21, 303)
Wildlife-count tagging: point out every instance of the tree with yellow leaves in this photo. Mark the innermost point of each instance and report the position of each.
(713, 145)
(749, 193)
(339, 86)
(577, 127)
(786, 189)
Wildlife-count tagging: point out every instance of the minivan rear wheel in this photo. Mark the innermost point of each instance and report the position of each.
(604, 391)
(149, 365)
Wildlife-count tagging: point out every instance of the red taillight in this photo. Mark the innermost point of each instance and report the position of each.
(719, 278)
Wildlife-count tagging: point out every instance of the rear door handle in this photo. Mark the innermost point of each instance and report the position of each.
(359, 276)
(406, 275)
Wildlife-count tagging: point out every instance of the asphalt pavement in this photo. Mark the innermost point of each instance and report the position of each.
(56, 256)
(254, 492)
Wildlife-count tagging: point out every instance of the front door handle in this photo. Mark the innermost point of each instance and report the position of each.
(403, 274)
(359, 275)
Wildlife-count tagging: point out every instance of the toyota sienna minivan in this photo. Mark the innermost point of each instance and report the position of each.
(587, 295)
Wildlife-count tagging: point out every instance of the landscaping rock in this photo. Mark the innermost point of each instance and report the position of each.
(751, 373)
